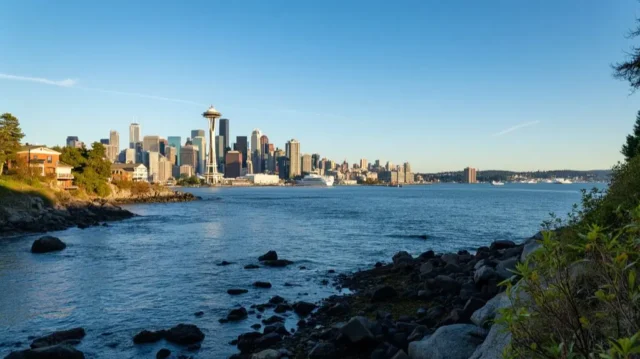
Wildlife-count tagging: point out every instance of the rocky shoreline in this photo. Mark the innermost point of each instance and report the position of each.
(34, 216)
(431, 306)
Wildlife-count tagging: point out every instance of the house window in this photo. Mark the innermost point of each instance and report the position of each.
(49, 159)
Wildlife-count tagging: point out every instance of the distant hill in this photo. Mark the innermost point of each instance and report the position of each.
(499, 175)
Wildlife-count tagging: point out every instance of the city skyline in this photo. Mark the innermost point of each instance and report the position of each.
(332, 88)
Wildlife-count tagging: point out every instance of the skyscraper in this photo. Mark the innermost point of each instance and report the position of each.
(151, 161)
(165, 169)
(241, 146)
(256, 150)
(315, 161)
(293, 153)
(364, 163)
(233, 164)
(163, 145)
(104, 141)
(224, 132)
(220, 149)
(176, 142)
(197, 133)
(171, 153)
(306, 163)
(151, 143)
(469, 175)
(114, 140)
(199, 142)
(134, 135)
(72, 140)
(189, 156)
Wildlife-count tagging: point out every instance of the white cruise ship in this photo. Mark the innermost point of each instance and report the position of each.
(316, 181)
(497, 183)
(562, 181)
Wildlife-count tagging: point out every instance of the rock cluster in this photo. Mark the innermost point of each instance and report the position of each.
(55, 345)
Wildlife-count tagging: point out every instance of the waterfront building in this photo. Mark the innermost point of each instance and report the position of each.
(189, 156)
(364, 164)
(389, 166)
(241, 146)
(176, 142)
(197, 133)
(114, 140)
(134, 135)
(233, 164)
(283, 167)
(151, 143)
(372, 176)
(293, 153)
(171, 153)
(211, 172)
(306, 164)
(136, 172)
(262, 179)
(46, 162)
(224, 132)
(264, 153)
(315, 162)
(186, 171)
(220, 150)
(469, 175)
(199, 143)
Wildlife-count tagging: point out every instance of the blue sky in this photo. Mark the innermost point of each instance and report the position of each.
(441, 84)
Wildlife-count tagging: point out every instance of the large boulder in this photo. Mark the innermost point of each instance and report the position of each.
(52, 352)
(458, 341)
(487, 313)
(277, 263)
(47, 244)
(184, 334)
(530, 246)
(147, 336)
(269, 256)
(236, 291)
(402, 258)
(383, 293)
(494, 345)
(357, 330)
(323, 351)
(303, 308)
(446, 284)
(503, 244)
(504, 268)
(267, 354)
(237, 314)
(483, 274)
(58, 337)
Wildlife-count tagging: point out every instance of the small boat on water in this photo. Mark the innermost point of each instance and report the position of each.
(562, 181)
(315, 180)
(497, 183)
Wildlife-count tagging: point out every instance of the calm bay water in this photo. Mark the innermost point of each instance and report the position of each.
(156, 270)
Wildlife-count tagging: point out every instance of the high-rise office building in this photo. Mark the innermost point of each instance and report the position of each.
(389, 166)
(175, 142)
(151, 144)
(469, 175)
(200, 143)
(197, 133)
(242, 147)
(171, 153)
(151, 161)
(189, 156)
(283, 167)
(233, 164)
(256, 150)
(104, 141)
(128, 155)
(165, 169)
(306, 164)
(224, 132)
(220, 150)
(407, 167)
(72, 140)
(111, 152)
(315, 161)
(364, 163)
(114, 140)
(293, 153)
(163, 145)
(134, 135)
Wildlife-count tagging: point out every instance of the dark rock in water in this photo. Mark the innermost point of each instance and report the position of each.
(236, 291)
(357, 330)
(194, 347)
(47, 244)
(237, 314)
(51, 352)
(324, 282)
(58, 337)
(384, 293)
(273, 319)
(276, 328)
(147, 336)
(163, 353)
(184, 334)
(302, 268)
(224, 263)
(331, 271)
(497, 245)
(378, 264)
(251, 266)
(303, 308)
(246, 342)
(262, 284)
(268, 340)
(277, 263)
(277, 300)
(198, 314)
(402, 257)
(282, 308)
(427, 255)
(269, 256)
(323, 351)
(256, 326)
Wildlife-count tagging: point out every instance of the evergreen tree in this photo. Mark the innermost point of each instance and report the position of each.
(632, 147)
(10, 137)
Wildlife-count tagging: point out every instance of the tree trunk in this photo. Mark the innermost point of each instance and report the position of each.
(1, 168)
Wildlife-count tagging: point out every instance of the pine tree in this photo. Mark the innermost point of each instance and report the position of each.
(10, 137)
(632, 147)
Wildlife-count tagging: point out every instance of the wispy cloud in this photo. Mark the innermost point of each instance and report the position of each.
(61, 83)
(516, 127)
(73, 83)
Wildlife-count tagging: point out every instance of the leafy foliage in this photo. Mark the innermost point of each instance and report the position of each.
(632, 147)
(10, 137)
(188, 181)
(90, 167)
(630, 70)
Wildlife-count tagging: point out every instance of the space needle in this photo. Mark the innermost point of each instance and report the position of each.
(212, 176)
